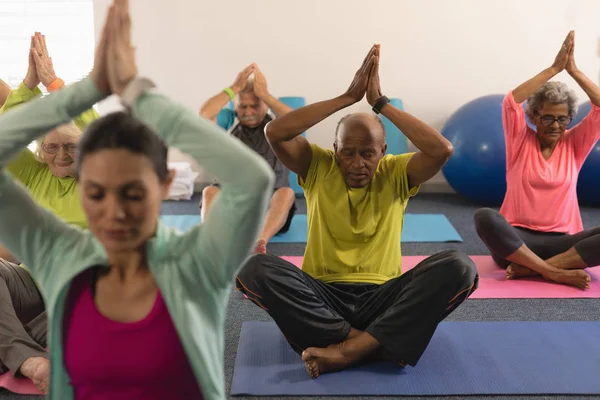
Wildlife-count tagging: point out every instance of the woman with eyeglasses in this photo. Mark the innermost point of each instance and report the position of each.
(48, 173)
(539, 230)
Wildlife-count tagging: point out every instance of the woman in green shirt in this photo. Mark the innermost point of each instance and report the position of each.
(48, 173)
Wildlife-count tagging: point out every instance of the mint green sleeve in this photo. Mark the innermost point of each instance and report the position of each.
(222, 243)
(31, 233)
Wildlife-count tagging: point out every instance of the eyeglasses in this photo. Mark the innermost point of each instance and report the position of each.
(53, 148)
(548, 120)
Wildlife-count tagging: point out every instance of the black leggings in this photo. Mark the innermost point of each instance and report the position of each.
(503, 239)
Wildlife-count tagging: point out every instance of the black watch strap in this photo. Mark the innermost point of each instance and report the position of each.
(383, 100)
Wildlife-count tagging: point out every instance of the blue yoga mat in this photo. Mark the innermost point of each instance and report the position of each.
(417, 228)
(463, 358)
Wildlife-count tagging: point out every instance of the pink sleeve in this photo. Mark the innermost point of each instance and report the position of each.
(585, 135)
(515, 126)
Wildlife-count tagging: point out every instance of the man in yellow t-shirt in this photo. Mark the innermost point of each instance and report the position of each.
(351, 302)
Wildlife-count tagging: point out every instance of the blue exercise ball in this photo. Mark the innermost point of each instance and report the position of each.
(582, 112)
(477, 169)
(588, 189)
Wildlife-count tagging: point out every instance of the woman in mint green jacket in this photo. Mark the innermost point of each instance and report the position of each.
(136, 310)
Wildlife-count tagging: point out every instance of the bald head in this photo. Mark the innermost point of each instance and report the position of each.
(359, 145)
(360, 125)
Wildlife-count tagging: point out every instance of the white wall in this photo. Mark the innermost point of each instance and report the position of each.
(435, 55)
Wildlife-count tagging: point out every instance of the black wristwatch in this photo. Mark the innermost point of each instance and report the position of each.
(383, 100)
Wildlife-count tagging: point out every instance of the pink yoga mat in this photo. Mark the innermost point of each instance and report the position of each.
(18, 385)
(494, 285)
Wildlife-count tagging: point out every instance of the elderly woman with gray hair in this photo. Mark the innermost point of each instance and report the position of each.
(48, 173)
(539, 230)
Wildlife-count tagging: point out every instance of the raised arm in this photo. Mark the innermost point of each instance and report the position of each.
(211, 108)
(41, 70)
(231, 229)
(27, 230)
(261, 91)
(21, 125)
(25, 166)
(20, 95)
(26, 90)
(38, 231)
(589, 87)
(434, 149)
(526, 89)
(284, 133)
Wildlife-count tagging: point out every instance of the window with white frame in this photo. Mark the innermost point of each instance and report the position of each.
(69, 29)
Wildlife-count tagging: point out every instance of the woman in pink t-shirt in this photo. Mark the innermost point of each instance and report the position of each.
(539, 230)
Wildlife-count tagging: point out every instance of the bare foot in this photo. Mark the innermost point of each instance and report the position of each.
(515, 271)
(261, 247)
(573, 277)
(38, 370)
(319, 361)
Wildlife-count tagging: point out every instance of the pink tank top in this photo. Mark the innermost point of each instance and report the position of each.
(106, 359)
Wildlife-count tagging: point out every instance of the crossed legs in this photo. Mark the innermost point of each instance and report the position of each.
(333, 326)
(557, 257)
(23, 326)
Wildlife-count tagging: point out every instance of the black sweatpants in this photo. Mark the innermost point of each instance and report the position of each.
(402, 314)
(23, 321)
(503, 239)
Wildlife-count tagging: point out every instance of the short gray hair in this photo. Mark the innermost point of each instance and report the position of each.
(554, 93)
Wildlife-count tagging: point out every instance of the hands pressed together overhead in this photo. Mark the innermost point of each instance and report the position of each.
(40, 67)
(565, 59)
(114, 63)
(366, 79)
(259, 84)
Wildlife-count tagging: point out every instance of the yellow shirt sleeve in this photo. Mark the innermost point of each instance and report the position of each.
(24, 167)
(321, 164)
(20, 95)
(394, 166)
